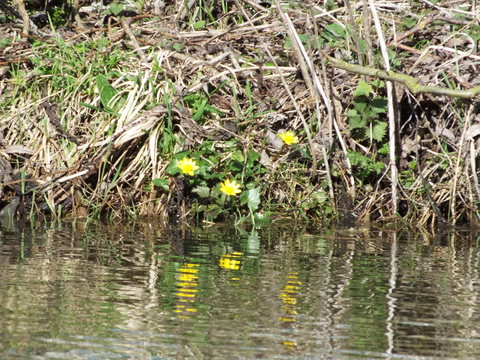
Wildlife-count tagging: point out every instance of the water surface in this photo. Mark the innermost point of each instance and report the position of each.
(70, 291)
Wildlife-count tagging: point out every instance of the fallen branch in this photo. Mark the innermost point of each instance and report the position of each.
(409, 81)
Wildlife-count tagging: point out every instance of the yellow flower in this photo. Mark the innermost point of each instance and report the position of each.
(188, 166)
(231, 188)
(288, 137)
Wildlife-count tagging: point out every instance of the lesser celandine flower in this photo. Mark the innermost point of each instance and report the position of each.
(231, 188)
(288, 137)
(188, 166)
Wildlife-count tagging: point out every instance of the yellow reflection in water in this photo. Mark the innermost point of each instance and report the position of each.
(231, 261)
(289, 294)
(289, 345)
(186, 284)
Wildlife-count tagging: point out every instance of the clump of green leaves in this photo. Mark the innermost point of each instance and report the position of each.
(334, 34)
(200, 106)
(366, 166)
(365, 118)
(407, 177)
(216, 162)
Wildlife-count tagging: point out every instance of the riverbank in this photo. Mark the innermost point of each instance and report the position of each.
(290, 102)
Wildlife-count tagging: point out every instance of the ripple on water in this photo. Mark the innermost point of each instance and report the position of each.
(145, 293)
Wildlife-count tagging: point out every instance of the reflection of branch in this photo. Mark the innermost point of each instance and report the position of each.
(409, 81)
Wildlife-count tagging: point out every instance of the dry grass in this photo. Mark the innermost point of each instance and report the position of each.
(73, 145)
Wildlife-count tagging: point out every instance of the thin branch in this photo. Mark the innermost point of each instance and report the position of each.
(392, 123)
(126, 27)
(410, 82)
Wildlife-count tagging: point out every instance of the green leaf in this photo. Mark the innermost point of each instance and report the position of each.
(200, 110)
(288, 43)
(378, 84)
(336, 29)
(219, 176)
(116, 8)
(209, 108)
(318, 42)
(107, 91)
(181, 155)
(177, 47)
(251, 198)
(200, 24)
(320, 196)
(304, 38)
(235, 166)
(262, 219)
(212, 211)
(172, 168)
(363, 89)
(378, 167)
(163, 183)
(356, 121)
(238, 155)
(360, 105)
(202, 191)
(252, 156)
(379, 105)
(379, 130)
(363, 45)
(384, 149)
(409, 22)
(474, 32)
(352, 113)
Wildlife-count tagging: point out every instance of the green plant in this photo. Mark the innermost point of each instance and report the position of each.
(366, 166)
(365, 122)
(201, 107)
(207, 13)
(58, 15)
(334, 34)
(205, 168)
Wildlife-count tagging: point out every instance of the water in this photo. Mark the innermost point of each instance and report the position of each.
(145, 292)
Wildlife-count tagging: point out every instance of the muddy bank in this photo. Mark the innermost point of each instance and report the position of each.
(381, 97)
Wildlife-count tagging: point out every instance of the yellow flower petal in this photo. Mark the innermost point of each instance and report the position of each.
(288, 137)
(230, 188)
(188, 166)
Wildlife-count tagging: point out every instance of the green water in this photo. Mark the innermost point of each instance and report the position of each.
(288, 292)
